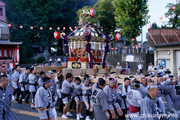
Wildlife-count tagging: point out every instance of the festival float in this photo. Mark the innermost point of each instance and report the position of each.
(86, 46)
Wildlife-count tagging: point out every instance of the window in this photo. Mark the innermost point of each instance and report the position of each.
(1, 12)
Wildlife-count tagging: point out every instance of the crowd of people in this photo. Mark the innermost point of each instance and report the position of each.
(105, 100)
(159, 69)
(151, 70)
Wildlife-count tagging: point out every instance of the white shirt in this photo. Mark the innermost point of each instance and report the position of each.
(178, 73)
(150, 67)
(161, 70)
(118, 67)
(157, 66)
(59, 59)
(134, 98)
(140, 66)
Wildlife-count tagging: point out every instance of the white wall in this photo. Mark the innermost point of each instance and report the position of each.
(171, 54)
(177, 59)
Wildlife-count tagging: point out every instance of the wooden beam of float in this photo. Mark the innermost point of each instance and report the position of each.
(120, 80)
(95, 74)
(38, 69)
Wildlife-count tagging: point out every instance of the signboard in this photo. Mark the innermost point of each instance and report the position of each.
(130, 58)
(163, 63)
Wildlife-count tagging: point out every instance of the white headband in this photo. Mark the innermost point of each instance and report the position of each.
(152, 86)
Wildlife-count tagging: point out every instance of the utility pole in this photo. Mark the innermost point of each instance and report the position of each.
(142, 37)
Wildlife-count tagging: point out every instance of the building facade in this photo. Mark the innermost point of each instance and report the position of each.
(2, 12)
(9, 51)
(166, 44)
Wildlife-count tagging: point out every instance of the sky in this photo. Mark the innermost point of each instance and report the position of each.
(157, 9)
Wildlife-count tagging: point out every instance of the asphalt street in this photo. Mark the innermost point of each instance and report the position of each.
(25, 112)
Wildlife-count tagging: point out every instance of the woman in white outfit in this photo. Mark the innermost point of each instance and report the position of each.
(150, 68)
(178, 74)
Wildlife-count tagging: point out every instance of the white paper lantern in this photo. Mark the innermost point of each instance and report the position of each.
(79, 44)
(82, 44)
(71, 44)
(99, 45)
(74, 44)
(94, 45)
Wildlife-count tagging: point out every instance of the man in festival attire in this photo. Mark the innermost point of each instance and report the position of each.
(43, 101)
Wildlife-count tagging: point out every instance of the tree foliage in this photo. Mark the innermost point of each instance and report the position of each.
(173, 14)
(154, 26)
(128, 42)
(41, 59)
(40, 13)
(104, 13)
(131, 16)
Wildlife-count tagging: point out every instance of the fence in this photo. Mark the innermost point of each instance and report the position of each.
(138, 49)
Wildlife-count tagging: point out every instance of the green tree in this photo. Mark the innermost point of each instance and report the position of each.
(41, 59)
(37, 13)
(128, 42)
(131, 16)
(154, 26)
(104, 13)
(173, 14)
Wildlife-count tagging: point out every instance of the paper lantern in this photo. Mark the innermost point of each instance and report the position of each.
(50, 28)
(117, 36)
(9, 25)
(73, 51)
(173, 7)
(92, 12)
(21, 26)
(41, 28)
(58, 28)
(56, 35)
(31, 27)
